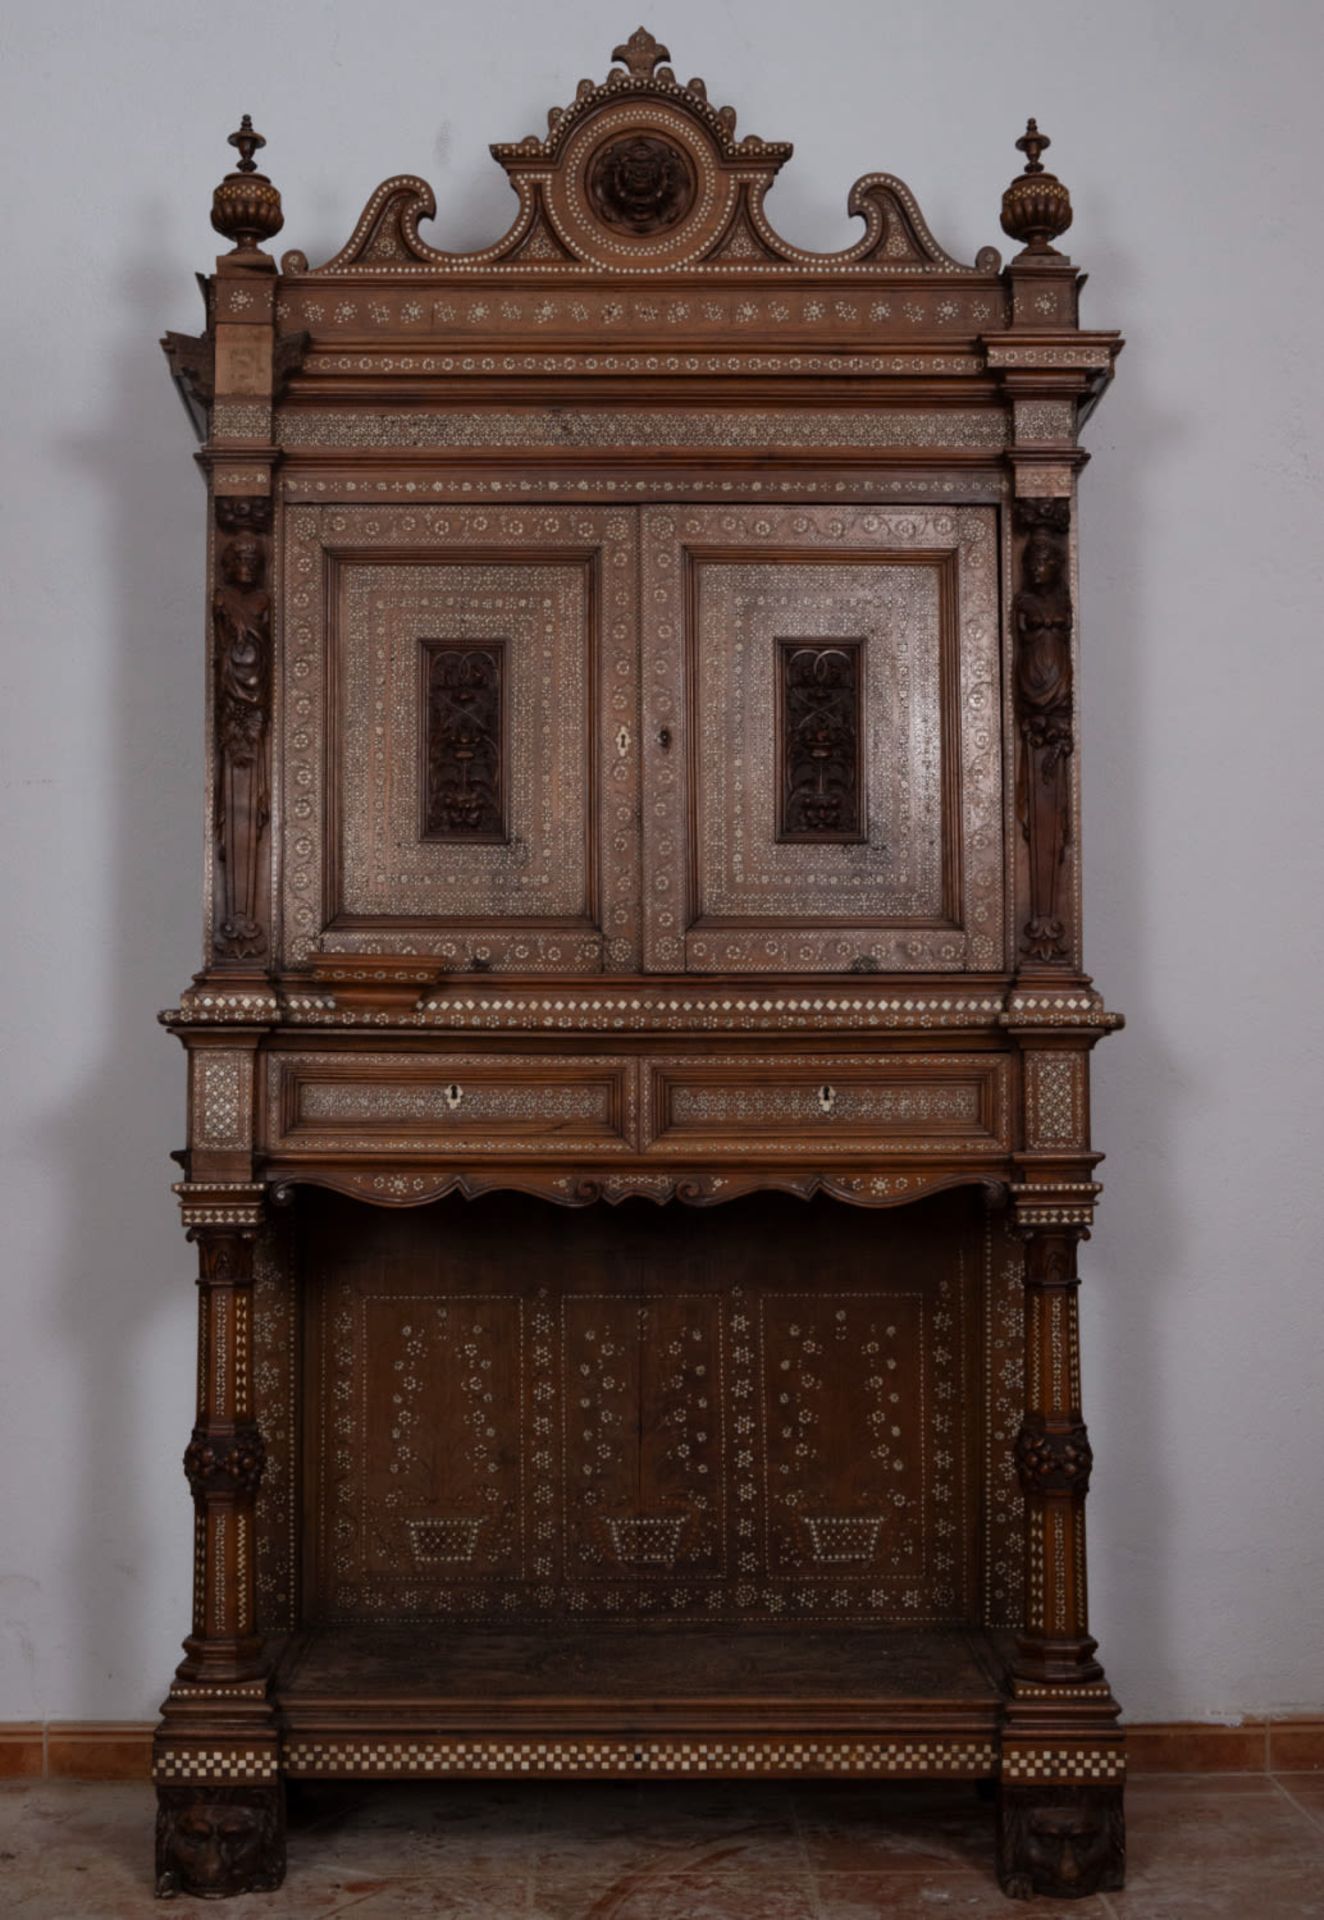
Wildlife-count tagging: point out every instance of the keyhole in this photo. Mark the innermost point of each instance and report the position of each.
(664, 738)
(827, 1097)
(454, 1095)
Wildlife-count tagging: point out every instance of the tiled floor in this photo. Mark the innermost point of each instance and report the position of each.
(1236, 1847)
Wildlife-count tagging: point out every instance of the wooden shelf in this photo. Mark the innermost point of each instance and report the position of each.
(632, 1700)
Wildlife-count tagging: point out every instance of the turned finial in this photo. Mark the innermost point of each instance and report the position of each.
(246, 207)
(248, 143)
(1036, 206)
(641, 53)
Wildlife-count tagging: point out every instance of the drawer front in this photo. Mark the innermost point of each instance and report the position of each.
(437, 1103)
(918, 1103)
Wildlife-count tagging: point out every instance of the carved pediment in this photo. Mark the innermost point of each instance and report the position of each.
(642, 174)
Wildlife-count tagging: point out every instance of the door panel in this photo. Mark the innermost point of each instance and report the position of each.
(463, 768)
(823, 755)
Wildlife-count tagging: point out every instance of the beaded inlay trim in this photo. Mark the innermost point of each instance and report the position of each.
(638, 430)
(626, 1758)
(216, 1766)
(222, 1099)
(589, 487)
(1063, 1763)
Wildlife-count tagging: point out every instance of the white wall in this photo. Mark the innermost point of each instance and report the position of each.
(1189, 134)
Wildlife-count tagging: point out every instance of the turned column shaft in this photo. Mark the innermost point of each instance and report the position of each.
(224, 1463)
(1053, 1458)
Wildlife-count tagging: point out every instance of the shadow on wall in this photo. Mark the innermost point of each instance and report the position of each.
(1133, 1501)
(126, 1304)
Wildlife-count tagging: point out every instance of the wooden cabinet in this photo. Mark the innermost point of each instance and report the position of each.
(639, 1072)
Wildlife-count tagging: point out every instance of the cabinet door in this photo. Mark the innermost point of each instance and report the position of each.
(822, 739)
(460, 726)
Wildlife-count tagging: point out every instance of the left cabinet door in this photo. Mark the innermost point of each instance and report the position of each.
(458, 739)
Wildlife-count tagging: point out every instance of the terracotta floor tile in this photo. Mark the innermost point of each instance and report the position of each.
(1218, 1830)
(930, 1896)
(407, 1828)
(1226, 1848)
(650, 1894)
(1305, 1790)
(895, 1829)
(456, 1895)
(699, 1828)
(1258, 1890)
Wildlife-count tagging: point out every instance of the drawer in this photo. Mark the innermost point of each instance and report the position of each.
(395, 1103)
(939, 1103)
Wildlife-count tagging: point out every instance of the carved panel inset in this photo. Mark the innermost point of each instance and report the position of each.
(819, 685)
(844, 1415)
(463, 742)
(496, 1440)
(643, 1435)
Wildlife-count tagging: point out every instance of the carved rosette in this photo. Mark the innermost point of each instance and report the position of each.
(1041, 621)
(640, 184)
(1054, 1461)
(225, 1463)
(241, 630)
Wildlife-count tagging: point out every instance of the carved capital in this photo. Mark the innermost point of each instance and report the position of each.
(225, 1463)
(225, 1255)
(1054, 1460)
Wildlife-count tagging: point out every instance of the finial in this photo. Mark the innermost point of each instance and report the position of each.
(246, 207)
(248, 143)
(641, 53)
(1031, 143)
(1036, 206)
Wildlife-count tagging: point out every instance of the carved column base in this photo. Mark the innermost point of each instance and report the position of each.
(214, 1841)
(220, 1823)
(1066, 1841)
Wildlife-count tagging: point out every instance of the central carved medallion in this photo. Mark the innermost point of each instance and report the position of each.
(641, 184)
(463, 752)
(819, 721)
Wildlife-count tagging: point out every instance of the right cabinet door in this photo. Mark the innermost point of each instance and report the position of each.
(823, 786)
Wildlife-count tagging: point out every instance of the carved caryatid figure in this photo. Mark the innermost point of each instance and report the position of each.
(241, 624)
(1041, 618)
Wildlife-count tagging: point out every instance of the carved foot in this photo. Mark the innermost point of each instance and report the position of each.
(219, 1841)
(1067, 1842)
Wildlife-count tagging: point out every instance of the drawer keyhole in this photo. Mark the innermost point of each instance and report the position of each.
(827, 1097)
(454, 1095)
